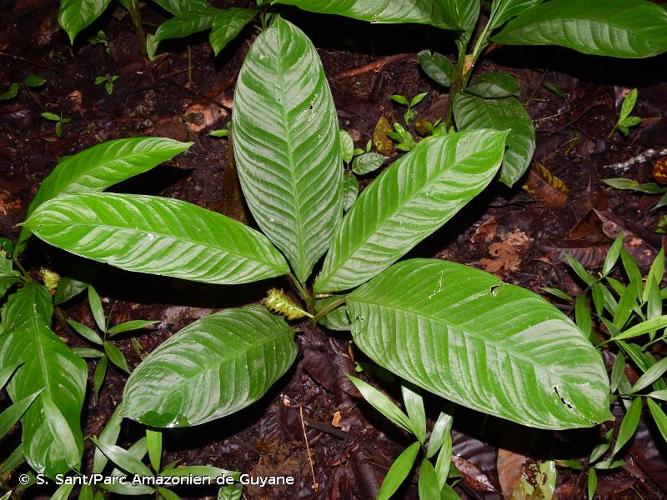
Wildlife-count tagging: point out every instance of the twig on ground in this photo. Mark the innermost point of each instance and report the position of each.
(310, 459)
(643, 157)
(374, 67)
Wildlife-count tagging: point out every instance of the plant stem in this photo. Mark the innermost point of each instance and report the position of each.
(133, 9)
(303, 292)
(328, 308)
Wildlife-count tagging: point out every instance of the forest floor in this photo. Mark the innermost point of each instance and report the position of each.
(520, 235)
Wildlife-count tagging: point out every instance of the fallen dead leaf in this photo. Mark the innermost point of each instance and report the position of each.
(335, 421)
(509, 470)
(383, 144)
(546, 187)
(506, 254)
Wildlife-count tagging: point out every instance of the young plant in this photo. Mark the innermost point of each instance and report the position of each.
(625, 120)
(30, 82)
(107, 81)
(410, 112)
(59, 120)
(490, 346)
(191, 16)
(432, 476)
(646, 187)
(100, 39)
(612, 28)
(625, 312)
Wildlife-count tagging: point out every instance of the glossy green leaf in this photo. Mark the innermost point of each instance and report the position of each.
(409, 201)
(336, 319)
(463, 12)
(63, 492)
(655, 275)
(227, 24)
(616, 28)
(659, 418)
(497, 348)
(286, 145)
(617, 372)
(350, 190)
(383, 404)
(68, 288)
(472, 112)
(6, 373)
(437, 67)
(628, 425)
(582, 315)
(166, 494)
(85, 331)
(100, 374)
(346, 145)
(123, 459)
(367, 162)
(439, 433)
(504, 10)
(7, 274)
(108, 436)
(87, 352)
(11, 415)
(180, 7)
(494, 85)
(75, 15)
(428, 482)
(382, 11)
(157, 235)
(116, 356)
(231, 492)
(643, 328)
(102, 166)
(398, 471)
(129, 326)
(154, 445)
(444, 461)
(51, 426)
(211, 368)
(414, 406)
(613, 254)
(661, 395)
(96, 308)
(651, 375)
(10, 93)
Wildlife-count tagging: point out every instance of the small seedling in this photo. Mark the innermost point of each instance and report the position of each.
(100, 39)
(59, 120)
(432, 479)
(31, 81)
(625, 120)
(107, 81)
(410, 113)
(403, 138)
(221, 132)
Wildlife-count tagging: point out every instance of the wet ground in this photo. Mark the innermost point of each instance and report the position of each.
(519, 234)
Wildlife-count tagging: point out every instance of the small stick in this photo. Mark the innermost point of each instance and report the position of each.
(375, 66)
(189, 68)
(647, 155)
(310, 460)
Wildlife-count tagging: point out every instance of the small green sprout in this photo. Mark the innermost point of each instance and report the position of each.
(221, 132)
(410, 113)
(31, 81)
(625, 120)
(404, 139)
(100, 39)
(59, 120)
(107, 81)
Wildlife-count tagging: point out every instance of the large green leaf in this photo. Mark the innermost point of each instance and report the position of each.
(149, 234)
(463, 12)
(211, 368)
(497, 348)
(102, 166)
(617, 28)
(286, 145)
(227, 24)
(472, 112)
(179, 7)
(504, 10)
(7, 274)
(75, 15)
(409, 201)
(52, 440)
(383, 11)
(185, 24)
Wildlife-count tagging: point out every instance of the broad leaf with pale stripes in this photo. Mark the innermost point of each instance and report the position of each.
(102, 166)
(211, 368)
(163, 236)
(616, 28)
(468, 337)
(52, 439)
(385, 11)
(286, 146)
(408, 202)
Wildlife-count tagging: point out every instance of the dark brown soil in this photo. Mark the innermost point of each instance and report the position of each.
(519, 235)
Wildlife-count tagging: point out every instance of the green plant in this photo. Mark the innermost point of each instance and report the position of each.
(625, 120)
(410, 112)
(190, 16)
(59, 120)
(624, 312)
(432, 477)
(646, 187)
(107, 81)
(100, 39)
(616, 28)
(30, 81)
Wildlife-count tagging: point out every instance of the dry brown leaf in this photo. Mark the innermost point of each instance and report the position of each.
(383, 144)
(546, 187)
(506, 254)
(509, 470)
